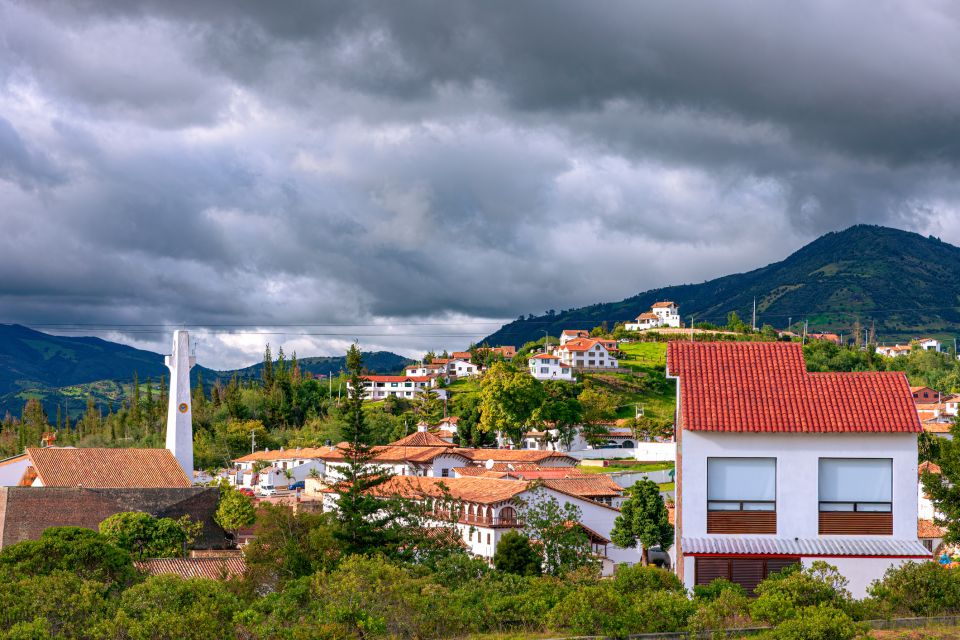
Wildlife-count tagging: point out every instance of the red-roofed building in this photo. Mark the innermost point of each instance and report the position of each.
(547, 366)
(778, 465)
(661, 314)
(378, 387)
(587, 353)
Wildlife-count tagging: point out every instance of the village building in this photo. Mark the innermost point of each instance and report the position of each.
(587, 353)
(777, 466)
(572, 334)
(94, 468)
(546, 366)
(894, 351)
(924, 395)
(381, 387)
(929, 344)
(661, 314)
(826, 337)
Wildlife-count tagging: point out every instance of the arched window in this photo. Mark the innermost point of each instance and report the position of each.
(508, 515)
(627, 444)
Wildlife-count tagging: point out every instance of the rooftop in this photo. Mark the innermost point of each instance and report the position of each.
(100, 468)
(765, 387)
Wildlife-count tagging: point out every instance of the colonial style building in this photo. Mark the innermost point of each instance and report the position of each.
(661, 314)
(546, 366)
(588, 353)
(776, 465)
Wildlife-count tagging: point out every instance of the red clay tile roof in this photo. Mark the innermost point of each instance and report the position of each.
(459, 355)
(480, 472)
(390, 453)
(582, 344)
(598, 485)
(662, 305)
(286, 454)
(107, 468)
(648, 315)
(477, 490)
(217, 568)
(575, 332)
(420, 439)
(764, 386)
(937, 427)
(927, 529)
(544, 356)
(928, 467)
(514, 455)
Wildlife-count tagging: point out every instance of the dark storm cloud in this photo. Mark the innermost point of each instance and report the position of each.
(247, 162)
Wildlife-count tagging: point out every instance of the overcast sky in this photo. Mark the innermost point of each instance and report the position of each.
(425, 167)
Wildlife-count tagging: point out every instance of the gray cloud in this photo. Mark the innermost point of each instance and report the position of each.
(403, 163)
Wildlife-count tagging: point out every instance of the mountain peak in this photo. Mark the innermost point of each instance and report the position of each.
(898, 279)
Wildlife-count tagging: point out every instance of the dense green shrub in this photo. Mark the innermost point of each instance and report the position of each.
(713, 590)
(726, 607)
(639, 579)
(596, 610)
(515, 554)
(920, 589)
(61, 603)
(82, 552)
(822, 622)
(781, 595)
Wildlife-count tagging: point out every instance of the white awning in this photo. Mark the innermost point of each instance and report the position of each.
(823, 547)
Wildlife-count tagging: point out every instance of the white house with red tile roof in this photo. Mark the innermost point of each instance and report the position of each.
(893, 351)
(378, 387)
(776, 465)
(929, 344)
(572, 334)
(587, 353)
(661, 314)
(547, 366)
(482, 509)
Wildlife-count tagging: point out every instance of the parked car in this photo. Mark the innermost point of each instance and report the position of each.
(246, 491)
(300, 484)
(267, 490)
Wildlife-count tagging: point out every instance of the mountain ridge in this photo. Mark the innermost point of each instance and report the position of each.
(902, 281)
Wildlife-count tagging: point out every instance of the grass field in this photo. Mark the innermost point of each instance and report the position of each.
(639, 466)
(647, 358)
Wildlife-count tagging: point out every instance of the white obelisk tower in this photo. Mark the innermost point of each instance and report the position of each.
(179, 414)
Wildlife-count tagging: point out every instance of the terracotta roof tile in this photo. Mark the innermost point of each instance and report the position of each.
(764, 386)
(216, 568)
(476, 490)
(927, 529)
(928, 467)
(937, 427)
(662, 305)
(286, 454)
(97, 468)
(592, 486)
(421, 439)
(515, 455)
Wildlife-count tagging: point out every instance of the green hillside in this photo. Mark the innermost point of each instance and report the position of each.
(64, 370)
(906, 283)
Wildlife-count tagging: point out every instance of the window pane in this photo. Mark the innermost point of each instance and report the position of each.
(856, 479)
(759, 506)
(870, 506)
(723, 506)
(741, 478)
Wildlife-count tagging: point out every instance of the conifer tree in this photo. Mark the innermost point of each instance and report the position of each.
(267, 374)
(361, 516)
(135, 400)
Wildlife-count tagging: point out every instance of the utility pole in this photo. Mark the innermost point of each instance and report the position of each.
(253, 441)
(691, 328)
(754, 323)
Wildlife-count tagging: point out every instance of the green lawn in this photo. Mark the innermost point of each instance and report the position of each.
(639, 466)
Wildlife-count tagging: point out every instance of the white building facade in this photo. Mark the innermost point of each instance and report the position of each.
(775, 468)
(546, 366)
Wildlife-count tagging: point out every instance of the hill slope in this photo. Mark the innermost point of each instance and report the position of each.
(908, 284)
(61, 369)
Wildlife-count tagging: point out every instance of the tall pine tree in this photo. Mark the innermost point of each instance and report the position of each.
(267, 374)
(363, 520)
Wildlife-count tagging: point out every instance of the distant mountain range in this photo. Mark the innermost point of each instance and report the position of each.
(64, 369)
(906, 283)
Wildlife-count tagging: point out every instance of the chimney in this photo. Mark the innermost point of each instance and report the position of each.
(179, 414)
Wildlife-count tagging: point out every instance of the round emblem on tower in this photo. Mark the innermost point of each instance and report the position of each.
(183, 407)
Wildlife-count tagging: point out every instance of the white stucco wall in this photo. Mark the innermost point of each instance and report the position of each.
(12, 471)
(798, 458)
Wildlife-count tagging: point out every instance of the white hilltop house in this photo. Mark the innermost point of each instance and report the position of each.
(547, 366)
(572, 334)
(661, 314)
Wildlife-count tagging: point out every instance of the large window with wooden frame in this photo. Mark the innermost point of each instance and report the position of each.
(746, 571)
(856, 496)
(741, 495)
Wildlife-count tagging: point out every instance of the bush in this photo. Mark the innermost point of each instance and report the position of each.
(663, 611)
(62, 603)
(782, 594)
(80, 551)
(817, 623)
(640, 579)
(515, 554)
(595, 610)
(506, 601)
(726, 608)
(713, 590)
(921, 589)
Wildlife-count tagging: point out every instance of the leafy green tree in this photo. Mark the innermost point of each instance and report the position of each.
(944, 487)
(562, 409)
(83, 552)
(289, 545)
(599, 409)
(643, 520)
(59, 605)
(169, 607)
(235, 510)
(514, 554)
(553, 529)
(508, 399)
(428, 407)
(147, 537)
(735, 324)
